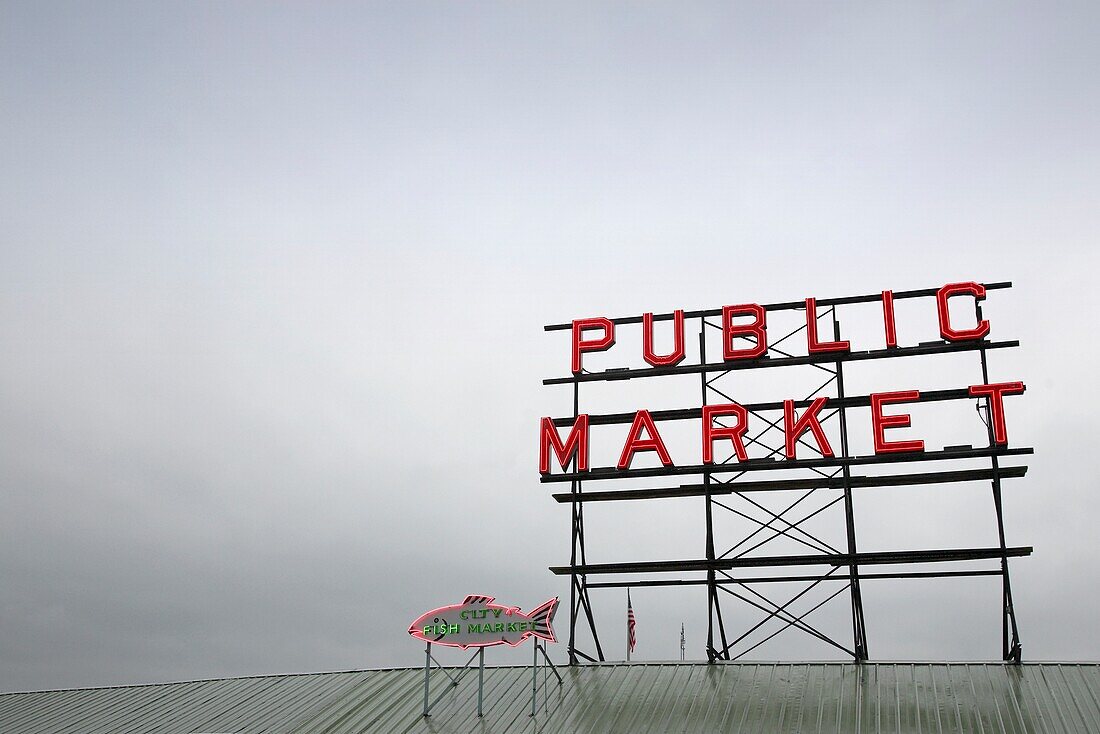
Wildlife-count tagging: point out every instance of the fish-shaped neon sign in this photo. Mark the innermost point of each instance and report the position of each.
(478, 622)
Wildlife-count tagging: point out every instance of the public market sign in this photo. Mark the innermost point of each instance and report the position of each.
(745, 344)
(799, 445)
(478, 622)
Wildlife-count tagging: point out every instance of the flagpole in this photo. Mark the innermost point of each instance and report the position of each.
(628, 624)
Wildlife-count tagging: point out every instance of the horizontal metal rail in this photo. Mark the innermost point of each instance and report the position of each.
(775, 464)
(779, 485)
(937, 347)
(786, 305)
(782, 579)
(817, 559)
(853, 401)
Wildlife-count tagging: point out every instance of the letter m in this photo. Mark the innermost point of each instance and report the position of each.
(575, 444)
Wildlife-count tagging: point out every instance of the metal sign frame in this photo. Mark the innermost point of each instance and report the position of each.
(722, 482)
(479, 654)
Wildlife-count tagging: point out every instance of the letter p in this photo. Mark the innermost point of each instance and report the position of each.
(580, 344)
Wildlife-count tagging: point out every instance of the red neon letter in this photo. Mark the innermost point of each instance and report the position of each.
(995, 392)
(634, 442)
(815, 346)
(591, 345)
(577, 443)
(954, 289)
(678, 343)
(888, 319)
(733, 433)
(794, 429)
(881, 422)
(730, 330)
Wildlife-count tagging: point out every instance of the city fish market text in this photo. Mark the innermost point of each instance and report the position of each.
(487, 627)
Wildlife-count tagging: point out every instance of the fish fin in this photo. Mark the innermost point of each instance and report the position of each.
(475, 599)
(542, 616)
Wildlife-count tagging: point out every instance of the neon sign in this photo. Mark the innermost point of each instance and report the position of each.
(478, 622)
(778, 463)
(598, 334)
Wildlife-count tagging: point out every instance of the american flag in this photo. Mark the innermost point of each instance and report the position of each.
(631, 638)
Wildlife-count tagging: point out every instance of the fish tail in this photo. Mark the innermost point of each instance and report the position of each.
(542, 616)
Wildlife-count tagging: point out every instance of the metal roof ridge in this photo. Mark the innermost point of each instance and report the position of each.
(604, 664)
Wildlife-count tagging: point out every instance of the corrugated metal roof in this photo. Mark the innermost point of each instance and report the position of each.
(637, 697)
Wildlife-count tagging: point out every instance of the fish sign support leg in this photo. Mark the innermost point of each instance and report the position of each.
(480, 677)
(427, 673)
(534, 675)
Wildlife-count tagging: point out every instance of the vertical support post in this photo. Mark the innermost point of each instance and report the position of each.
(578, 584)
(1011, 650)
(574, 508)
(534, 676)
(859, 632)
(427, 673)
(712, 587)
(480, 677)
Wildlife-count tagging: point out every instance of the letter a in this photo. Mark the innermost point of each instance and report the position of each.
(635, 443)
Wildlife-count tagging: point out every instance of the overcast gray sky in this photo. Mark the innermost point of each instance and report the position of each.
(273, 280)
